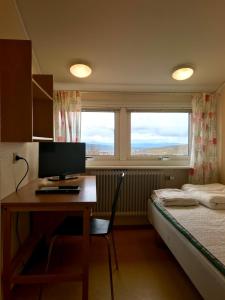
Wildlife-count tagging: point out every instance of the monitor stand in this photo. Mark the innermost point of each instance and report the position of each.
(63, 177)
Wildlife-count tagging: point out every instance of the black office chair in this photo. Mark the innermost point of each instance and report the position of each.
(98, 227)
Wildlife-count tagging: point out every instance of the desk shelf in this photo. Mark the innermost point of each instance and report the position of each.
(61, 267)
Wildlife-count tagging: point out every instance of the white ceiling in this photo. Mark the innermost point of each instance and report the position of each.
(132, 45)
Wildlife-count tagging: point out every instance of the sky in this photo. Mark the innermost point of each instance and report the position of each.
(98, 127)
(159, 127)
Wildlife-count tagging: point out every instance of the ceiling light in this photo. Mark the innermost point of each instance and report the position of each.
(182, 72)
(80, 70)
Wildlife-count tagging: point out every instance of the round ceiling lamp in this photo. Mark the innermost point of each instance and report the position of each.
(182, 72)
(80, 70)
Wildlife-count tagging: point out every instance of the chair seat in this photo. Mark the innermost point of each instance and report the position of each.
(74, 226)
(99, 226)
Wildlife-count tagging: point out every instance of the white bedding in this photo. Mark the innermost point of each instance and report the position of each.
(213, 200)
(203, 187)
(210, 195)
(175, 197)
(208, 280)
(206, 225)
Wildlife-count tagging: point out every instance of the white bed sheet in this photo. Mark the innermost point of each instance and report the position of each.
(208, 280)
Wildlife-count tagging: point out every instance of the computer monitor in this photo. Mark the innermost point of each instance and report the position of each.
(59, 161)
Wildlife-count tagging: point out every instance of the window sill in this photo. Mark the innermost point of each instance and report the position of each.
(138, 164)
(137, 167)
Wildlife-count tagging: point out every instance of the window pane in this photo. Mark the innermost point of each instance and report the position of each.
(97, 131)
(159, 133)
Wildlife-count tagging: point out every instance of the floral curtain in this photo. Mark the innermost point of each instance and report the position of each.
(204, 143)
(67, 116)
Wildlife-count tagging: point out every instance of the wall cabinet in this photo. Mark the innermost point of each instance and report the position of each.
(15, 91)
(26, 106)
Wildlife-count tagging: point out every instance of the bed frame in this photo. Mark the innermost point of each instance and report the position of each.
(207, 279)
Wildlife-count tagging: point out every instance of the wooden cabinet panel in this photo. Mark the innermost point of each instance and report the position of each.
(15, 91)
(43, 106)
(46, 82)
(26, 106)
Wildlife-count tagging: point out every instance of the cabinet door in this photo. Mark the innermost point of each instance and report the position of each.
(42, 107)
(15, 91)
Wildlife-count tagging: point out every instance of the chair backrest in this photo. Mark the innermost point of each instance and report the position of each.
(115, 201)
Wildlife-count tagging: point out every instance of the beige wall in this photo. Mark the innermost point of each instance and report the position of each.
(11, 26)
(221, 133)
(11, 173)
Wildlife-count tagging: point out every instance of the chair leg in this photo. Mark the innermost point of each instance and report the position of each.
(50, 253)
(40, 293)
(110, 267)
(47, 265)
(114, 250)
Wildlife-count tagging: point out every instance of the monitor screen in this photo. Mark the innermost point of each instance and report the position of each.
(61, 159)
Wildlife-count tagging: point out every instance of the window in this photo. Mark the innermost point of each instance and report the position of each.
(140, 129)
(98, 132)
(159, 133)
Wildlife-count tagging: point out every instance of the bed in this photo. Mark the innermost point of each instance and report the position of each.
(196, 237)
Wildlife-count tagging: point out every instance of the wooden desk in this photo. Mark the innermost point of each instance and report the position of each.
(25, 200)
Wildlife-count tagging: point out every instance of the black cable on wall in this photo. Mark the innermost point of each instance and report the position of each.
(17, 214)
(19, 158)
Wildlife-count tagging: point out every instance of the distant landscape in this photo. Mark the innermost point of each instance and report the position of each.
(140, 149)
(99, 149)
(163, 150)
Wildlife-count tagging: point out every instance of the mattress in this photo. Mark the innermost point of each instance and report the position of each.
(209, 281)
(203, 227)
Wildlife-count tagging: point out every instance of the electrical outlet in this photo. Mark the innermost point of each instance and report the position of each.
(14, 158)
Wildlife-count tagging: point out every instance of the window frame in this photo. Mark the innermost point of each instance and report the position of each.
(116, 133)
(161, 158)
(122, 103)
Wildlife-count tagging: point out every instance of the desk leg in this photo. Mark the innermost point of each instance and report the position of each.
(6, 256)
(86, 243)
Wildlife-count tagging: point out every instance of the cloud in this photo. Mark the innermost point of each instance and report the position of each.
(156, 125)
(98, 127)
(141, 138)
(98, 120)
(178, 132)
(99, 139)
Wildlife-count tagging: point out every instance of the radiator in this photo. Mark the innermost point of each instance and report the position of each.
(136, 190)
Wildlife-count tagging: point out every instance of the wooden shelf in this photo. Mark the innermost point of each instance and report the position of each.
(38, 138)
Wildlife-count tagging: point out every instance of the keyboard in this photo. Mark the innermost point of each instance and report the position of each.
(74, 189)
